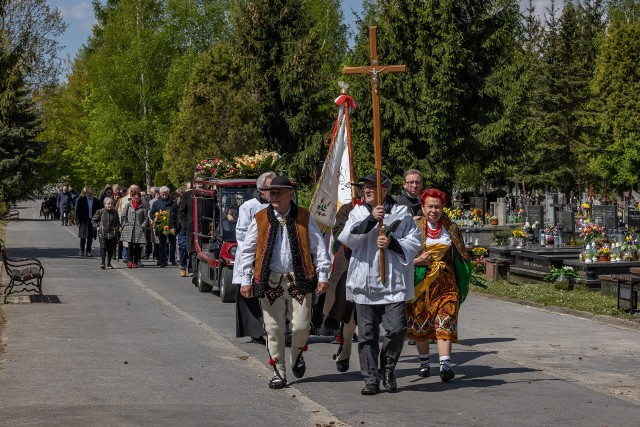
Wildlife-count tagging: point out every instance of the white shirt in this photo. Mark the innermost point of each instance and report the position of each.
(247, 211)
(281, 259)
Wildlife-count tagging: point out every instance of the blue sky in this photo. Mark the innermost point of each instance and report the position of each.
(78, 14)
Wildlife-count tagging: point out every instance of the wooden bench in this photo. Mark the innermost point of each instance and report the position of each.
(25, 275)
(13, 214)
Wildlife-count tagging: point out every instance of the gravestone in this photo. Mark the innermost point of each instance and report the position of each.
(549, 201)
(605, 215)
(633, 219)
(477, 203)
(535, 213)
(567, 221)
(500, 211)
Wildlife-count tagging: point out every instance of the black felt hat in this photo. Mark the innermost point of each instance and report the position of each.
(279, 182)
(386, 182)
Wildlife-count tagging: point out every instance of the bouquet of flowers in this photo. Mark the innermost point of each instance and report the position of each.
(518, 233)
(259, 163)
(604, 252)
(591, 232)
(479, 260)
(453, 213)
(212, 168)
(161, 222)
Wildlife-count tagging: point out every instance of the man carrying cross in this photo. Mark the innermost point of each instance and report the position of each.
(380, 276)
(379, 296)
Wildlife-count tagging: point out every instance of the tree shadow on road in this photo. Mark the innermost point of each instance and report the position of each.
(42, 253)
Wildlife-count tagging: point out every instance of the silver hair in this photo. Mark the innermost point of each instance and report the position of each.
(106, 200)
(262, 178)
(164, 189)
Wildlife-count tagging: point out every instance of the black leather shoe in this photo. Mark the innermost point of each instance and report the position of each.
(277, 383)
(370, 389)
(342, 365)
(389, 381)
(424, 372)
(299, 368)
(259, 340)
(447, 375)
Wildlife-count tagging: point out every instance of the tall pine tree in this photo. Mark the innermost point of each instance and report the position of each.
(279, 44)
(19, 127)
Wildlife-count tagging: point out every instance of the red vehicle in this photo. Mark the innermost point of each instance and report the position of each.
(215, 208)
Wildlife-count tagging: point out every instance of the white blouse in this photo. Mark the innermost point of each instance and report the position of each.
(444, 237)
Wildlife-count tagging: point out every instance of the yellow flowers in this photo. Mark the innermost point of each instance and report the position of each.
(161, 222)
(518, 233)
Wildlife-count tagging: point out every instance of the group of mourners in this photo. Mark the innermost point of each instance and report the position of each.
(282, 260)
(124, 224)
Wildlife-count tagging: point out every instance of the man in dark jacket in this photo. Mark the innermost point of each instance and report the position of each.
(178, 231)
(412, 187)
(164, 203)
(185, 217)
(86, 208)
(64, 202)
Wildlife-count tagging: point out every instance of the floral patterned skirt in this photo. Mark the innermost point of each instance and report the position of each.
(434, 314)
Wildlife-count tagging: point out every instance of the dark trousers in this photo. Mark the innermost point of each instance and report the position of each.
(166, 242)
(134, 252)
(394, 323)
(85, 244)
(183, 255)
(107, 249)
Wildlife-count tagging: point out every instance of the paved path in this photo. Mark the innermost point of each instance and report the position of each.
(144, 347)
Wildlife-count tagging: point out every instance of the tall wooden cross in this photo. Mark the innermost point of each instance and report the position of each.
(374, 69)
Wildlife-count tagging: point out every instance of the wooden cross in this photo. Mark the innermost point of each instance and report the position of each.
(375, 70)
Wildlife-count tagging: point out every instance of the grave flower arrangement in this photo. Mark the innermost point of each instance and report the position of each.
(453, 213)
(161, 222)
(479, 261)
(518, 233)
(562, 277)
(603, 252)
(592, 232)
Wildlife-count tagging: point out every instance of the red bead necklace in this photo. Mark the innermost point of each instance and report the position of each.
(435, 233)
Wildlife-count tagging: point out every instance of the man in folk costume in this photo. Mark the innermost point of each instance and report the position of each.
(285, 253)
(248, 311)
(380, 300)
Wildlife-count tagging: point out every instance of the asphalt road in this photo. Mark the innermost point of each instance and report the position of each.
(143, 347)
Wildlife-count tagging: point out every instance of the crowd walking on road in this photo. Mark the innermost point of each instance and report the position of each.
(394, 265)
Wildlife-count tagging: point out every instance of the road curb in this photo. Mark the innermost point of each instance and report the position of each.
(600, 318)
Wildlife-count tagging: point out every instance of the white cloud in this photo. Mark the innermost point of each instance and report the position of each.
(78, 14)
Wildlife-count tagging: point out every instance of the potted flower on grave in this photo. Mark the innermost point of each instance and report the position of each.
(493, 220)
(519, 236)
(603, 254)
(550, 234)
(563, 278)
(530, 230)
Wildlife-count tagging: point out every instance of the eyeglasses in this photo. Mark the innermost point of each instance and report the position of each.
(413, 182)
(367, 187)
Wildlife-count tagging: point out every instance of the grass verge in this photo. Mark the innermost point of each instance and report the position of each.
(545, 294)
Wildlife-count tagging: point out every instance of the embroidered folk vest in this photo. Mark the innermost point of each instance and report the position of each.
(297, 223)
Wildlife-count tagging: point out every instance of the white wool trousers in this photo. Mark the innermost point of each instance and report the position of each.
(275, 315)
